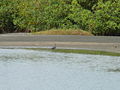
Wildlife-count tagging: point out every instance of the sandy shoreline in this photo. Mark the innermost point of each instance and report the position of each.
(110, 47)
(27, 40)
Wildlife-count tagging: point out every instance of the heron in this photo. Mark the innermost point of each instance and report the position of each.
(54, 47)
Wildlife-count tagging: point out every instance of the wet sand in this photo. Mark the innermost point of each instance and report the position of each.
(20, 40)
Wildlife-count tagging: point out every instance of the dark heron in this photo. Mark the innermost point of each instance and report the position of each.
(54, 47)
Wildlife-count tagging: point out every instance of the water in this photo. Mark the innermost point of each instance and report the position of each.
(42, 70)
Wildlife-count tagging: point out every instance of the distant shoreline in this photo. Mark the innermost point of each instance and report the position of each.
(109, 47)
(99, 43)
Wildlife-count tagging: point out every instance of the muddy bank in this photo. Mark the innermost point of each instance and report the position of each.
(20, 40)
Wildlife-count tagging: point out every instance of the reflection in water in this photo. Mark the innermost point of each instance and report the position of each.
(42, 70)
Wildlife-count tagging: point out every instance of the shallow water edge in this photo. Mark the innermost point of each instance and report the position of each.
(65, 50)
(78, 51)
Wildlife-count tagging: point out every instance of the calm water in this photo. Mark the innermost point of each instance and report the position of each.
(43, 70)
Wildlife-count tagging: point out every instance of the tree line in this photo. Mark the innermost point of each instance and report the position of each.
(100, 17)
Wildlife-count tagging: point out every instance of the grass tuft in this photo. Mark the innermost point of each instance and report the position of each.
(80, 51)
(87, 52)
(64, 32)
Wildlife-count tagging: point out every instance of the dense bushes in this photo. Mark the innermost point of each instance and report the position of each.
(101, 17)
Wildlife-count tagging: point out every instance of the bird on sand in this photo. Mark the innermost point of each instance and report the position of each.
(54, 47)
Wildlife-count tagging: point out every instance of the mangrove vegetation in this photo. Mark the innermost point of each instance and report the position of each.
(99, 17)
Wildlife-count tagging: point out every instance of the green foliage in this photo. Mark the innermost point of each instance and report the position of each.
(79, 16)
(6, 19)
(101, 17)
(107, 17)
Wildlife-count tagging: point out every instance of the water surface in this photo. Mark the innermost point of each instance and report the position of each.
(43, 70)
